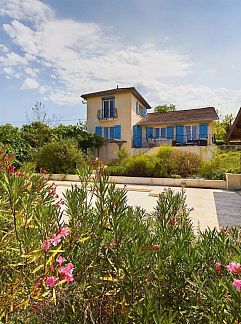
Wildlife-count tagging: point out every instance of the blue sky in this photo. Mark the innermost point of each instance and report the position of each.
(175, 51)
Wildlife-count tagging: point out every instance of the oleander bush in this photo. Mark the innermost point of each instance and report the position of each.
(100, 261)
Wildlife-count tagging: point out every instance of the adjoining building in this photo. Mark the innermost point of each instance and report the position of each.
(120, 117)
(234, 135)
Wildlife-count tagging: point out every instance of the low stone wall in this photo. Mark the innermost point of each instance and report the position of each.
(169, 182)
(233, 181)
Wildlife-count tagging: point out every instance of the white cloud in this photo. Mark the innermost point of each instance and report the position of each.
(29, 84)
(77, 57)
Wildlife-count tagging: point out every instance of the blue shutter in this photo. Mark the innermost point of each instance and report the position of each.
(157, 132)
(143, 112)
(98, 131)
(112, 132)
(170, 132)
(117, 132)
(149, 132)
(137, 136)
(106, 131)
(203, 131)
(180, 134)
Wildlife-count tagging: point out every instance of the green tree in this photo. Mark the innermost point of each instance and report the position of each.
(12, 138)
(222, 127)
(37, 134)
(77, 132)
(165, 108)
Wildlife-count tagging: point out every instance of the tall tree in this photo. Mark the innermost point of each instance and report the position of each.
(165, 108)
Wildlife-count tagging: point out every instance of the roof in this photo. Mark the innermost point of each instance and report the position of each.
(234, 134)
(180, 116)
(116, 91)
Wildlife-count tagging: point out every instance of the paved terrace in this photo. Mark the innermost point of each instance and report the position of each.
(212, 207)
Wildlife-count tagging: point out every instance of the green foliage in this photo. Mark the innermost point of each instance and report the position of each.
(167, 162)
(122, 154)
(37, 134)
(15, 143)
(83, 139)
(222, 128)
(59, 157)
(129, 266)
(165, 108)
(222, 162)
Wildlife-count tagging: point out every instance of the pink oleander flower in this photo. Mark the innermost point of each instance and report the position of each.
(51, 268)
(69, 278)
(46, 245)
(60, 260)
(218, 266)
(66, 272)
(51, 281)
(154, 246)
(237, 284)
(233, 267)
(55, 239)
(64, 232)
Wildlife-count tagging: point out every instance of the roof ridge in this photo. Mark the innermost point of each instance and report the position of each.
(174, 111)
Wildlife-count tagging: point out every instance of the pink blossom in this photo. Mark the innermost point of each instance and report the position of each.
(218, 266)
(67, 269)
(237, 284)
(46, 245)
(51, 268)
(64, 232)
(154, 247)
(60, 260)
(55, 239)
(66, 272)
(51, 281)
(233, 267)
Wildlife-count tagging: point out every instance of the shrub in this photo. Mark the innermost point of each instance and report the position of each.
(221, 163)
(129, 266)
(185, 163)
(139, 166)
(59, 157)
(122, 154)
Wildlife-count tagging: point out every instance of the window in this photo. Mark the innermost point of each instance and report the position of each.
(108, 107)
(109, 132)
(163, 132)
(191, 133)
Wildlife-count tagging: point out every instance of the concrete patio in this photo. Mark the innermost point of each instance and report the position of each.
(213, 208)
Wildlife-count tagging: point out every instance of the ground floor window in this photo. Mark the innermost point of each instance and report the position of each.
(191, 132)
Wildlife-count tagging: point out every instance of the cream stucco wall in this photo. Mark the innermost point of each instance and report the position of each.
(125, 103)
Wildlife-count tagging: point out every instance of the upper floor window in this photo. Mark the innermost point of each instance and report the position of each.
(140, 110)
(108, 107)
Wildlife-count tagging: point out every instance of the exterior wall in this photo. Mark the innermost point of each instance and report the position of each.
(206, 152)
(210, 128)
(125, 105)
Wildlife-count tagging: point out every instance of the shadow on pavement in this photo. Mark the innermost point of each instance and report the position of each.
(228, 207)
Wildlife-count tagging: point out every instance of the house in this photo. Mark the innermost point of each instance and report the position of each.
(120, 117)
(177, 128)
(234, 135)
(112, 114)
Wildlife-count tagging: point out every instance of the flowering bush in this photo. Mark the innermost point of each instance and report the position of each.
(110, 263)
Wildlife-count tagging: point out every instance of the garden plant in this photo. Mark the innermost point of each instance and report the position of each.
(90, 258)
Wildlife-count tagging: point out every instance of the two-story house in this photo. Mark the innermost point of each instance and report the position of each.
(120, 117)
(112, 115)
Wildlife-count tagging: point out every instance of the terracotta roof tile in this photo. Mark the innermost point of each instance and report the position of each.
(179, 116)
